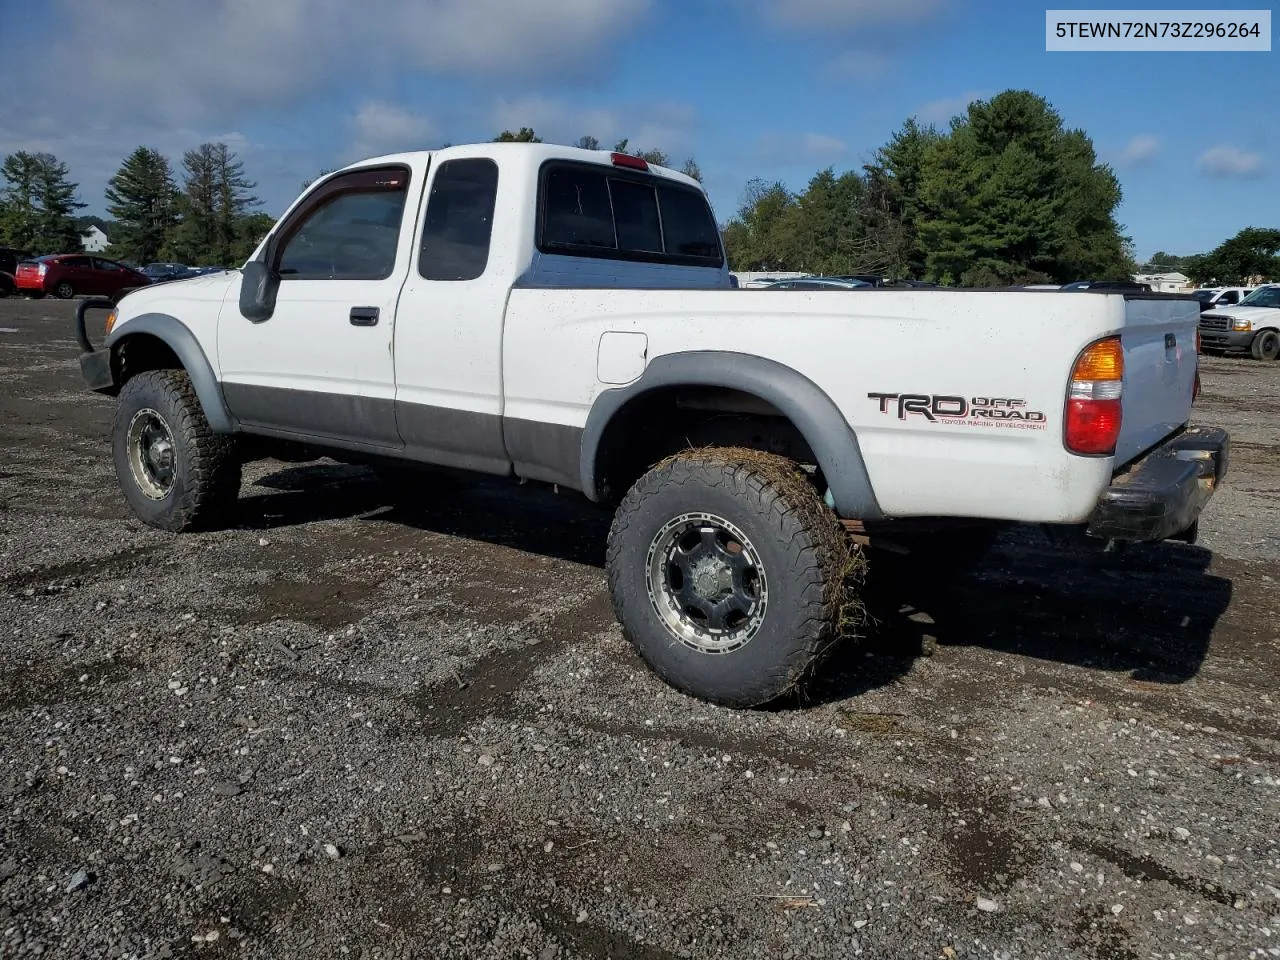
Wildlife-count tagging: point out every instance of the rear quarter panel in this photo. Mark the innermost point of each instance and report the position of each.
(986, 346)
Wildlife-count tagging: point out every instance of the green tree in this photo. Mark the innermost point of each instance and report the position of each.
(587, 143)
(691, 169)
(762, 236)
(216, 197)
(18, 206)
(319, 176)
(1249, 255)
(523, 135)
(143, 199)
(893, 208)
(1011, 196)
(38, 204)
(250, 231)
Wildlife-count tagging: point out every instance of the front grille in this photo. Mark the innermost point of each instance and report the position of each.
(1214, 323)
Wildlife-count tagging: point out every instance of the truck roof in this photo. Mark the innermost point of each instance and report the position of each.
(531, 154)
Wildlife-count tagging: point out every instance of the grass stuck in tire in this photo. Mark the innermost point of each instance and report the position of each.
(753, 537)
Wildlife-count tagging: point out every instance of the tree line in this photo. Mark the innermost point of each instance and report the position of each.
(1006, 195)
(208, 219)
(1252, 253)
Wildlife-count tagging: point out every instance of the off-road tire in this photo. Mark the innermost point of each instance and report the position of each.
(1266, 346)
(813, 572)
(206, 469)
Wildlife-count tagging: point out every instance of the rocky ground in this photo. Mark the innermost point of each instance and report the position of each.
(343, 728)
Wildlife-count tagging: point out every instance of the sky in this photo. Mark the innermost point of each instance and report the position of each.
(777, 89)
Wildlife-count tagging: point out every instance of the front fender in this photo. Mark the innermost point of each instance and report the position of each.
(179, 338)
(814, 414)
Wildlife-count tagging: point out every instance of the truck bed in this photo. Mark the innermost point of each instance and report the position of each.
(900, 365)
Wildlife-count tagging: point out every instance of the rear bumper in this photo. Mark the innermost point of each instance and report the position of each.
(1161, 495)
(1225, 339)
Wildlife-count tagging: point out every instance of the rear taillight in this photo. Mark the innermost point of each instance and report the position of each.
(42, 269)
(1093, 400)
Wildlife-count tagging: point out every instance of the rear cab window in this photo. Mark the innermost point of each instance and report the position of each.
(589, 210)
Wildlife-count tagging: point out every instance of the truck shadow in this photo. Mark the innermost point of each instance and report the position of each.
(1149, 611)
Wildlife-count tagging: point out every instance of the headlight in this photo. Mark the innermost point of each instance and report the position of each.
(1241, 325)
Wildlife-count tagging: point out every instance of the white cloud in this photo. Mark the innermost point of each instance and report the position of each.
(379, 127)
(837, 14)
(1139, 151)
(205, 59)
(803, 150)
(941, 111)
(1228, 162)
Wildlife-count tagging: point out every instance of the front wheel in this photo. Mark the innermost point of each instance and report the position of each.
(176, 473)
(1266, 345)
(729, 576)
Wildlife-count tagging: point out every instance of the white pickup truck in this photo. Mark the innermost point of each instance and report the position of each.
(566, 316)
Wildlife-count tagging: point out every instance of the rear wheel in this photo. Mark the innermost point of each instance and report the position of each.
(64, 291)
(176, 473)
(729, 576)
(1266, 345)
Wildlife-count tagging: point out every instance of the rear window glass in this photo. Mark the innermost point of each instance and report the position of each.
(578, 210)
(687, 224)
(590, 211)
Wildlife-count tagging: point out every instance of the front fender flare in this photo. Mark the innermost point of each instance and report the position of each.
(815, 415)
(186, 347)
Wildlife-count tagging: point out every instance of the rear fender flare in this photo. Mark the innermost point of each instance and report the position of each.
(825, 429)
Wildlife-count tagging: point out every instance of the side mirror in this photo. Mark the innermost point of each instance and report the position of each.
(258, 287)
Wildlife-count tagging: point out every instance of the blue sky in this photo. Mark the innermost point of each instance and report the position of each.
(751, 88)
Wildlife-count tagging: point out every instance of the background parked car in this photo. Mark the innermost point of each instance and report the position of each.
(160, 272)
(1113, 285)
(818, 283)
(9, 260)
(68, 275)
(1212, 297)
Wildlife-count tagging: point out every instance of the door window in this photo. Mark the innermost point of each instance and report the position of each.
(348, 230)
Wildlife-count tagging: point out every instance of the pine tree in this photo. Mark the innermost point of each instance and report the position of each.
(37, 207)
(142, 197)
(18, 212)
(216, 196)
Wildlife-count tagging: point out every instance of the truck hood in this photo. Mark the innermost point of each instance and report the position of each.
(1260, 316)
(159, 297)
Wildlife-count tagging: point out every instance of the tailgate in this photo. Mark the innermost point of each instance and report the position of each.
(27, 271)
(1160, 367)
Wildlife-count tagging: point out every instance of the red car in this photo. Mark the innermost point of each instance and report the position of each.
(68, 275)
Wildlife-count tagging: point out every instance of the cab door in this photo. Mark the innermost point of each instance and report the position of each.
(321, 366)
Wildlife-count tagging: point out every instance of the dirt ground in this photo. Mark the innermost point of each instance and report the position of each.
(345, 728)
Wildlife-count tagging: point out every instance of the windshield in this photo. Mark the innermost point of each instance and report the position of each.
(1205, 294)
(1263, 297)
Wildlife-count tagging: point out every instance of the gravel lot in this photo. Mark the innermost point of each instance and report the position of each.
(343, 728)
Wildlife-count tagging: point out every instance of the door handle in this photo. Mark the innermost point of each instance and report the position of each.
(364, 316)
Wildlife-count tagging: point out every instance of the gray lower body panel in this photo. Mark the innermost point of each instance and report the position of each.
(440, 436)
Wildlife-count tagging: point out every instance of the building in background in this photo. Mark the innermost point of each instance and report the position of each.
(94, 240)
(1165, 282)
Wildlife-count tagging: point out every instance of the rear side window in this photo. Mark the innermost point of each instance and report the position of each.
(590, 211)
(459, 222)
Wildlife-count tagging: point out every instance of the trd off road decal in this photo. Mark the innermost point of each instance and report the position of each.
(1000, 412)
